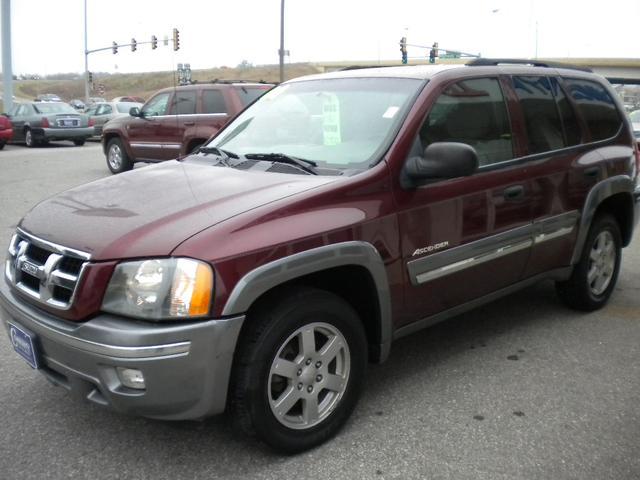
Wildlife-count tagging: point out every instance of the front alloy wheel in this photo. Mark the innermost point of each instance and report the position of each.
(299, 368)
(28, 138)
(309, 375)
(117, 159)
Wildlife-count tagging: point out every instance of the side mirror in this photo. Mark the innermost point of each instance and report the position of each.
(135, 112)
(441, 160)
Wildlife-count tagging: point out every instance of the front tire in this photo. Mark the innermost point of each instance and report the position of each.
(299, 369)
(594, 276)
(117, 159)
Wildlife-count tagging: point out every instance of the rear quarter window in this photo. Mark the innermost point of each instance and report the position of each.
(213, 102)
(596, 107)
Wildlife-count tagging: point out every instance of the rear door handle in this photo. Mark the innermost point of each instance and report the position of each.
(189, 124)
(513, 193)
(592, 172)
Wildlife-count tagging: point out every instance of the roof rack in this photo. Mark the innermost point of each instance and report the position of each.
(482, 62)
(227, 81)
(360, 67)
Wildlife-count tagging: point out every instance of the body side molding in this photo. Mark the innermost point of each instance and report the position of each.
(263, 278)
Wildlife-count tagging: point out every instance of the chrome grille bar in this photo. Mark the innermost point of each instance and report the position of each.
(41, 277)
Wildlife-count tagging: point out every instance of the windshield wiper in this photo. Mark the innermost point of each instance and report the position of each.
(304, 164)
(224, 155)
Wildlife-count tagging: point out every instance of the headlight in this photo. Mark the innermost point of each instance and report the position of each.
(166, 288)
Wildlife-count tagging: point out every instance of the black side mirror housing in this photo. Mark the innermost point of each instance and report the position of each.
(135, 112)
(441, 160)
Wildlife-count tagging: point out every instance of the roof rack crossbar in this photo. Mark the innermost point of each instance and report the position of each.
(481, 62)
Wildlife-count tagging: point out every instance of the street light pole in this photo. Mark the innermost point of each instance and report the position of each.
(86, 57)
(281, 41)
(7, 71)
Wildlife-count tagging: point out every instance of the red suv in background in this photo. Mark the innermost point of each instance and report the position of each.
(174, 122)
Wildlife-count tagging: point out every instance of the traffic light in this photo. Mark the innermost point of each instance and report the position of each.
(403, 49)
(89, 77)
(114, 48)
(433, 53)
(176, 39)
(154, 42)
(134, 45)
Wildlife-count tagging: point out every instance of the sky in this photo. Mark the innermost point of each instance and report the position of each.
(48, 35)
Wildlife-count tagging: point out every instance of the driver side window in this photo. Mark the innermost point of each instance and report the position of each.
(472, 112)
(157, 105)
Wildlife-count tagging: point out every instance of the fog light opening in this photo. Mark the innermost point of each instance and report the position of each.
(131, 378)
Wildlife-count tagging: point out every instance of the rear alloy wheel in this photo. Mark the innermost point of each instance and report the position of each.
(594, 276)
(28, 139)
(117, 158)
(78, 142)
(299, 369)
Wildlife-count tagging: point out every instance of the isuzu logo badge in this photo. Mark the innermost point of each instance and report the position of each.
(29, 268)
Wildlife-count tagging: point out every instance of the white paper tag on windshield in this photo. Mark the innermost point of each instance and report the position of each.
(331, 120)
(391, 112)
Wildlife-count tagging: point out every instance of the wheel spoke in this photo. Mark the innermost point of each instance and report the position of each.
(599, 284)
(286, 401)
(333, 382)
(594, 255)
(592, 274)
(330, 350)
(307, 342)
(310, 409)
(285, 368)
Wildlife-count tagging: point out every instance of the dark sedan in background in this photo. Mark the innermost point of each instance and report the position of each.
(35, 123)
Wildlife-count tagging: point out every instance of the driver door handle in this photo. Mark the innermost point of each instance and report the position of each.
(513, 193)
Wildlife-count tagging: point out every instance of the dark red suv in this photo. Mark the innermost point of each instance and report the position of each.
(333, 216)
(174, 122)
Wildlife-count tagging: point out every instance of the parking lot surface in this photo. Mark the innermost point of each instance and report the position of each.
(522, 388)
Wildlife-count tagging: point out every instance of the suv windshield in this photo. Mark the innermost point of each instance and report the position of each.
(338, 123)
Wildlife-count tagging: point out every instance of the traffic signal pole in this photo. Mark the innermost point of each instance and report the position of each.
(86, 58)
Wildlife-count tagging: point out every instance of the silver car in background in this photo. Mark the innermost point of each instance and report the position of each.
(101, 113)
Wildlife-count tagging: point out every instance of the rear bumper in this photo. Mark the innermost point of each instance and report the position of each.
(6, 135)
(186, 366)
(62, 133)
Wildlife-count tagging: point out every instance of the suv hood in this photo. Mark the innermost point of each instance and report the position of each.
(149, 211)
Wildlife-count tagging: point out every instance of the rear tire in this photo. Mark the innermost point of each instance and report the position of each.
(29, 140)
(2, 144)
(117, 159)
(79, 142)
(594, 276)
(299, 369)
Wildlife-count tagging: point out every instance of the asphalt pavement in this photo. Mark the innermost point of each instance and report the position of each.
(522, 388)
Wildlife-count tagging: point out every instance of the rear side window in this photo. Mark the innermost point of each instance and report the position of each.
(248, 95)
(572, 133)
(213, 102)
(184, 103)
(541, 117)
(596, 107)
(472, 112)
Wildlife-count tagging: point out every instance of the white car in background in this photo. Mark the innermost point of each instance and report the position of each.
(102, 112)
(635, 121)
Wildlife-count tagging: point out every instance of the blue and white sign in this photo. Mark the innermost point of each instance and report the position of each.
(23, 344)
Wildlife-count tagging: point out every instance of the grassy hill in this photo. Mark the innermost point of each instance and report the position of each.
(145, 84)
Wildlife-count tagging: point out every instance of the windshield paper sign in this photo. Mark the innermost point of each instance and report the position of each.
(331, 120)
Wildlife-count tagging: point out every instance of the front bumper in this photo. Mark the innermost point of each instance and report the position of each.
(186, 366)
(62, 133)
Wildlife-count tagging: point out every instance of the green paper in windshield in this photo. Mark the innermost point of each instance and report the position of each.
(331, 120)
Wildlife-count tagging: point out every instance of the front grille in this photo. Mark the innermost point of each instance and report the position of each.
(43, 270)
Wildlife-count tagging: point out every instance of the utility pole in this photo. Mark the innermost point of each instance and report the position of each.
(7, 71)
(281, 41)
(86, 57)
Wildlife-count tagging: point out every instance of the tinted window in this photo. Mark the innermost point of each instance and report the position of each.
(596, 107)
(471, 112)
(157, 105)
(542, 121)
(184, 103)
(248, 95)
(213, 102)
(572, 133)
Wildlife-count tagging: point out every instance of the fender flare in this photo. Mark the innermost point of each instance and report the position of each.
(265, 277)
(599, 193)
